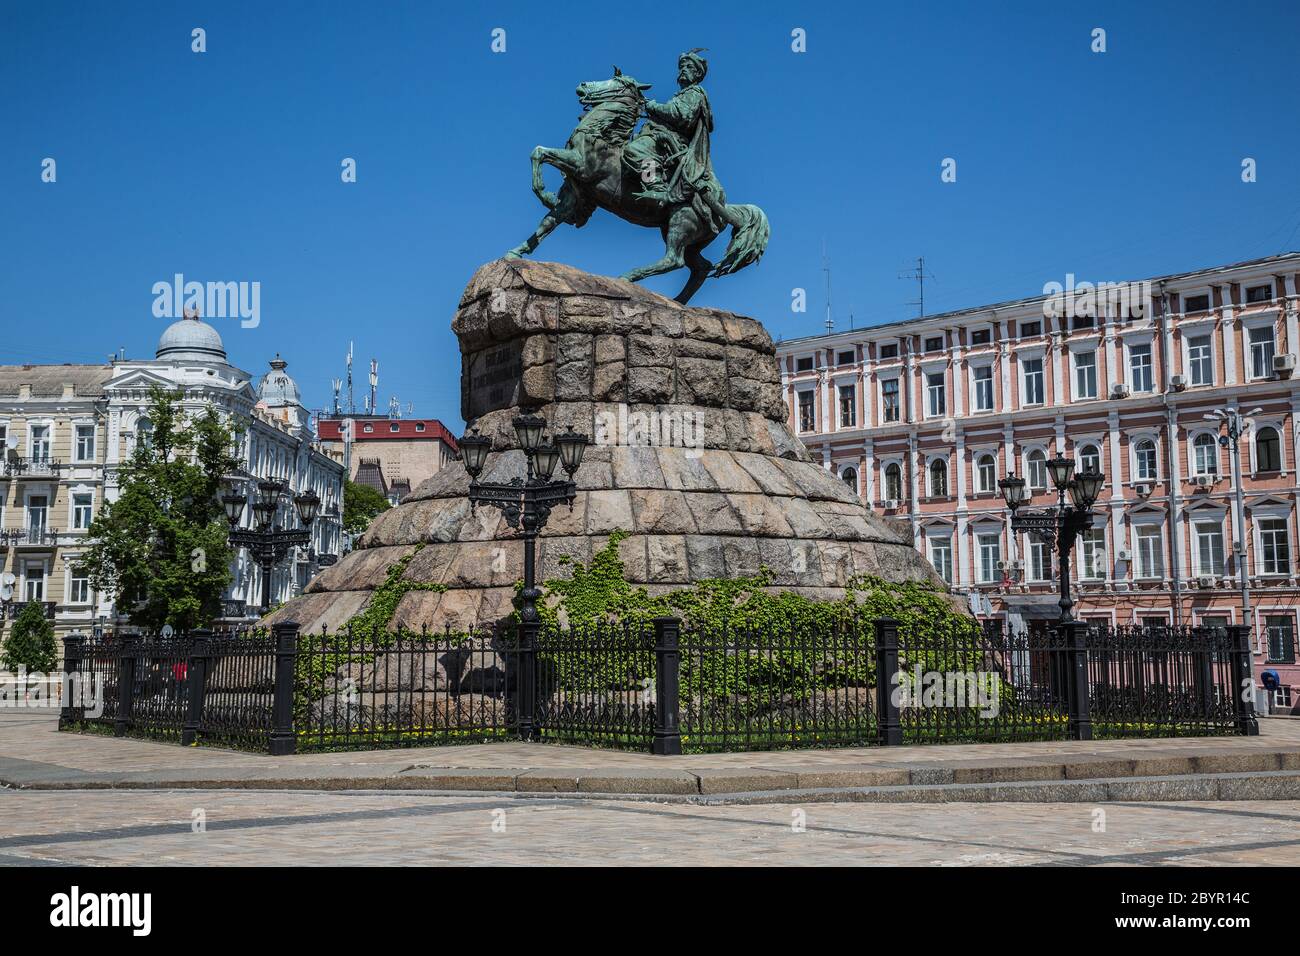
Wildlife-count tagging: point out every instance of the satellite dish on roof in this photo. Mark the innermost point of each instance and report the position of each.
(7, 586)
(11, 442)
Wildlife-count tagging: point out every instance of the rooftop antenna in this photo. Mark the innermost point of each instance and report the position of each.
(826, 267)
(374, 385)
(338, 384)
(352, 408)
(394, 407)
(920, 275)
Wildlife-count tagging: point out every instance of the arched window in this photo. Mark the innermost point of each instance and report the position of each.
(986, 474)
(144, 432)
(1268, 450)
(1090, 459)
(850, 477)
(894, 482)
(939, 479)
(1205, 455)
(1037, 462)
(1145, 460)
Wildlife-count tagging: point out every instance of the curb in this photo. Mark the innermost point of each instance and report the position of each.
(1258, 774)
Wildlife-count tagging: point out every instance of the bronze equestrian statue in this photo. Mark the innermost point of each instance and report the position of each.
(662, 176)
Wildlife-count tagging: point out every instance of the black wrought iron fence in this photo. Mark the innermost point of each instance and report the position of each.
(656, 686)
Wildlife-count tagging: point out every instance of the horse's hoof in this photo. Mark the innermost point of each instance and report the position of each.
(513, 254)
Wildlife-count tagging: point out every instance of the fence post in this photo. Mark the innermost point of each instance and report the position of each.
(69, 713)
(196, 676)
(125, 683)
(889, 729)
(1079, 691)
(668, 728)
(1243, 687)
(527, 711)
(283, 739)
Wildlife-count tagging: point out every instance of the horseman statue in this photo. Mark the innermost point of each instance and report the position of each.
(662, 176)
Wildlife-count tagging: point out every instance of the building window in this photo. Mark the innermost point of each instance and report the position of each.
(936, 392)
(990, 553)
(889, 399)
(894, 482)
(419, 426)
(1084, 321)
(1033, 382)
(40, 444)
(803, 364)
(1275, 546)
(1200, 360)
(850, 477)
(981, 337)
(1261, 351)
(85, 443)
(144, 433)
(394, 427)
(934, 343)
(78, 587)
(1209, 548)
(986, 474)
(889, 351)
(1281, 638)
(1085, 374)
(846, 358)
(1090, 459)
(1037, 468)
(1093, 554)
(941, 556)
(1259, 293)
(848, 406)
(1205, 455)
(1268, 450)
(1031, 328)
(1197, 303)
(1040, 564)
(1139, 368)
(938, 479)
(1150, 553)
(34, 582)
(983, 379)
(367, 428)
(82, 505)
(807, 412)
(1145, 460)
(38, 508)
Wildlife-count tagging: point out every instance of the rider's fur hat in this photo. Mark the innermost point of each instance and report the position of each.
(693, 57)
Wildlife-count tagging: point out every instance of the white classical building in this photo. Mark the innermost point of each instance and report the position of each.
(68, 430)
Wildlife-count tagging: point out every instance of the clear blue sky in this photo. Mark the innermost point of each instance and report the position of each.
(225, 165)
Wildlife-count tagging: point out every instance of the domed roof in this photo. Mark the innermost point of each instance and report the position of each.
(191, 340)
(277, 389)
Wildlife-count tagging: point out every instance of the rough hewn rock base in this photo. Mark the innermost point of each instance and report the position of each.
(721, 489)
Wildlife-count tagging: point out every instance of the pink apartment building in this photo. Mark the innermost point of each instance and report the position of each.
(924, 417)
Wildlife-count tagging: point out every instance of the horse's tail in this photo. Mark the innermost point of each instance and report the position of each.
(749, 235)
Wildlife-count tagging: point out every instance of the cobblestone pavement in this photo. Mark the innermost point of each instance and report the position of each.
(359, 828)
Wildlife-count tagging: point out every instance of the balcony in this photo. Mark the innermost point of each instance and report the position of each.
(38, 536)
(32, 469)
(16, 607)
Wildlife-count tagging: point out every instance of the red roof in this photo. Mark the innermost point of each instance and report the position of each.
(403, 429)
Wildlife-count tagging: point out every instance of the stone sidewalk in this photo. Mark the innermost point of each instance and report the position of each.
(34, 755)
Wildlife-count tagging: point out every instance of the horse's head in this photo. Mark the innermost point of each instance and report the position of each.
(618, 87)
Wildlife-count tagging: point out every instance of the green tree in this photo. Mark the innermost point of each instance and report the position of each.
(360, 504)
(31, 641)
(161, 548)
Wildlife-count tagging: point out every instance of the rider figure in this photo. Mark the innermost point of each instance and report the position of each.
(671, 152)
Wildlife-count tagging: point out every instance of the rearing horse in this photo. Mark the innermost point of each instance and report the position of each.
(595, 176)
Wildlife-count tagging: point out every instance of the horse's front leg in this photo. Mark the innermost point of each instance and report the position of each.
(544, 229)
(566, 161)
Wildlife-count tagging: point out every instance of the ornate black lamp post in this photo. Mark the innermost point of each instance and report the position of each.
(526, 503)
(1058, 526)
(268, 543)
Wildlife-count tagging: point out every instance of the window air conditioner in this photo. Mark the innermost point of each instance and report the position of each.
(1123, 554)
(1205, 581)
(1119, 390)
(1143, 488)
(1177, 382)
(1284, 365)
